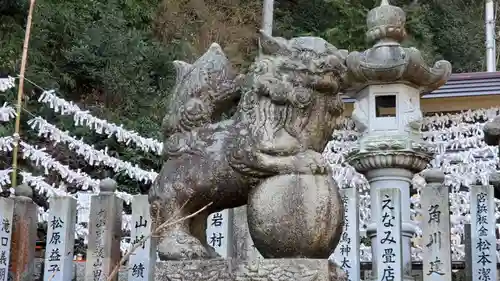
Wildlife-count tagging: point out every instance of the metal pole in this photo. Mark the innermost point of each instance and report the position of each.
(267, 16)
(490, 36)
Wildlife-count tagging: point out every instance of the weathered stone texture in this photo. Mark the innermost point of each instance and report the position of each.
(260, 269)
(492, 131)
(195, 270)
(287, 108)
(243, 246)
(283, 270)
(24, 235)
(292, 216)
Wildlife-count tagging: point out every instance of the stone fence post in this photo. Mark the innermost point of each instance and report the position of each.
(219, 232)
(483, 237)
(242, 244)
(389, 247)
(6, 214)
(347, 253)
(103, 252)
(436, 227)
(60, 239)
(143, 260)
(24, 235)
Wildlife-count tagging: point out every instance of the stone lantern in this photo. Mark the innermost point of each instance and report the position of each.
(387, 81)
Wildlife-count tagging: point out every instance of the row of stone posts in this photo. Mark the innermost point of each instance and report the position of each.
(480, 252)
(18, 235)
(19, 227)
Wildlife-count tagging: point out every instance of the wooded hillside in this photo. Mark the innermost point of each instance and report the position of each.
(113, 56)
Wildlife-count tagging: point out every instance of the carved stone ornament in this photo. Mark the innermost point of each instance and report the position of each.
(243, 270)
(286, 109)
(376, 152)
(387, 61)
(295, 190)
(201, 89)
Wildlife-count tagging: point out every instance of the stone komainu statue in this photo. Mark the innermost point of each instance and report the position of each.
(268, 154)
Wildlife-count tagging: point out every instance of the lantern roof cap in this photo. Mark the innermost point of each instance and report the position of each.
(387, 62)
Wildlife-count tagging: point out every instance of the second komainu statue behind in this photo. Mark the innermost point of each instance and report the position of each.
(268, 154)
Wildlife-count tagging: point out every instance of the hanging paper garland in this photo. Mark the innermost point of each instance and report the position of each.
(84, 118)
(39, 184)
(91, 155)
(81, 179)
(42, 159)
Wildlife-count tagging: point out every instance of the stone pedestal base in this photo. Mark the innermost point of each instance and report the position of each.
(261, 269)
(196, 270)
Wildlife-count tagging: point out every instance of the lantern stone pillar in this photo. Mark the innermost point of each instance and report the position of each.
(387, 81)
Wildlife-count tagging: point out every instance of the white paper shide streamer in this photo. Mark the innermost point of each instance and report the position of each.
(92, 156)
(7, 113)
(84, 118)
(40, 158)
(7, 83)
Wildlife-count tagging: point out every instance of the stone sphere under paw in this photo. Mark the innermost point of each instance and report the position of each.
(296, 216)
